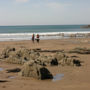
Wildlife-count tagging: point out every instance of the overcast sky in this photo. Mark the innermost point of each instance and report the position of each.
(44, 12)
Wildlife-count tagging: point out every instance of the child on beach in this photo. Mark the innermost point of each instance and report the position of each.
(37, 38)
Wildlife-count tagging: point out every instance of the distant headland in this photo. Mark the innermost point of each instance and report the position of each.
(86, 26)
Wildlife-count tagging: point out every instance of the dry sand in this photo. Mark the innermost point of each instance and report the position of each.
(75, 78)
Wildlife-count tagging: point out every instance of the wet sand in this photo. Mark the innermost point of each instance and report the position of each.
(75, 78)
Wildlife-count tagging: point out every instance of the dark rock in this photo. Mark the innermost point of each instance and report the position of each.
(15, 70)
(45, 74)
(3, 81)
(77, 62)
(54, 62)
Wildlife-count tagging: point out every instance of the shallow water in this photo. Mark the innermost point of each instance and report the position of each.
(1, 69)
(11, 77)
(58, 77)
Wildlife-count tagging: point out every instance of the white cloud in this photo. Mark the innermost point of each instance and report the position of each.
(21, 0)
(57, 5)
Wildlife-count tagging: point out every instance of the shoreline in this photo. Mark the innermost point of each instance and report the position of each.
(43, 36)
(50, 39)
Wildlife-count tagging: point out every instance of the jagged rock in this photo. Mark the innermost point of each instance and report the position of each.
(31, 69)
(6, 52)
(59, 56)
(43, 60)
(46, 60)
(23, 53)
(19, 56)
(34, 55)
(49, 59)
(39, 62)
(15, 60)
(69, 61)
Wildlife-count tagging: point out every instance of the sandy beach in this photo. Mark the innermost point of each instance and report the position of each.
(75, 78)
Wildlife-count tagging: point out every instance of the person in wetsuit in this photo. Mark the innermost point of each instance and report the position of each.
(33, 38)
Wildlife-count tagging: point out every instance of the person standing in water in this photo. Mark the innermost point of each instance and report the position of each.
(38, 38)
(33, 38)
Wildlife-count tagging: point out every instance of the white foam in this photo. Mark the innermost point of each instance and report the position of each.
(27, 36)
(45, 33)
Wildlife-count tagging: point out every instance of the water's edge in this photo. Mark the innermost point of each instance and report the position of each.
(43, 36)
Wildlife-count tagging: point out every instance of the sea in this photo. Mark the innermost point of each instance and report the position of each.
(15, 33)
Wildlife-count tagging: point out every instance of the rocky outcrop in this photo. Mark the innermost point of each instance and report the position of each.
(59, 56)
(80, 50)
(32, 69)
(34, 63)
(23, 55)
(18, 56)
(6, 52)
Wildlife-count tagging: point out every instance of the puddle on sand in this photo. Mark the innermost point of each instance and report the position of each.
(1, 69)
(11, 77)
(57, 77)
